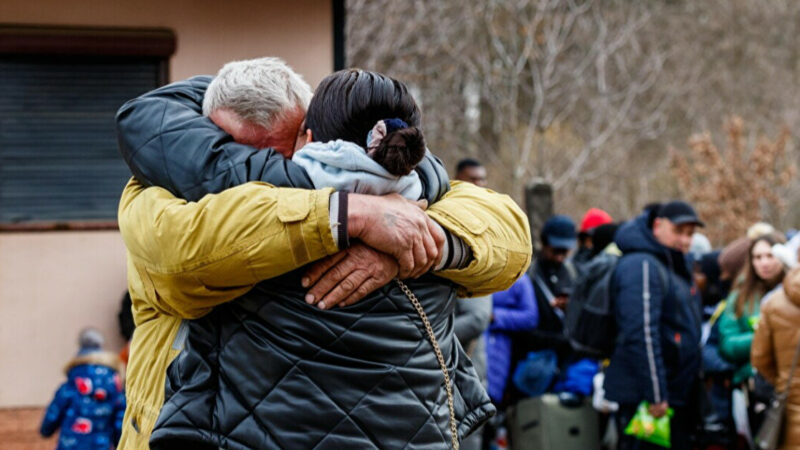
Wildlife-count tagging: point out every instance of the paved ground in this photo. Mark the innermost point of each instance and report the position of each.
(19, 430)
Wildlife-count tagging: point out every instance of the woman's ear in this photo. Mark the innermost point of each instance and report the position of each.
(303, 138)
(309, 136)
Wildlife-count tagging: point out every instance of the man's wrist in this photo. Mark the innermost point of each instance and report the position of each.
(357, 209)
(338, 208)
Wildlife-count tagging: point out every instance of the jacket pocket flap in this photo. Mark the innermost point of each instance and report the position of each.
(294, 206)
(467, 220)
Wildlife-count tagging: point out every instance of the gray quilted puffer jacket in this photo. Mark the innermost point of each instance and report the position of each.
(270, 371)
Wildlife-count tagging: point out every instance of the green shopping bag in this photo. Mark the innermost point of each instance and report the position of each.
(647, 428)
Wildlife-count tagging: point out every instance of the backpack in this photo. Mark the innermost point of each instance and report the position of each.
(590, 323)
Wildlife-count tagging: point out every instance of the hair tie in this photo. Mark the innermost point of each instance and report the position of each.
(381, 129)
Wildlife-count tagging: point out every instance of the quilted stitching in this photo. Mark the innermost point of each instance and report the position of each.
(303, 385)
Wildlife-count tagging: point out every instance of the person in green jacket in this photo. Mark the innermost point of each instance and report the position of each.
(740, 319)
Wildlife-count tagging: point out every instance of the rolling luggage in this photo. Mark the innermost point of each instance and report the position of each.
(544, 423)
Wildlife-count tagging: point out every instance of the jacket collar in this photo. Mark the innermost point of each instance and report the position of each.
(635, 236)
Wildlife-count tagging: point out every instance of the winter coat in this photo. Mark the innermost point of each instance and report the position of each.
(89, 406)
(270, 371)
(582, 258)
(774, 345)
(549, 333)
(513, 310)
(472, 320)
(657, 352)
(185, 258)
(736, 336)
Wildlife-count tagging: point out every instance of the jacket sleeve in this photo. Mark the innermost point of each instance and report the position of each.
(762, 354)
(56, 411)
(524, 316)
(193, 256)
(734, 342)
(639, 300)
(433, 175)
(496, 231)
(472, 318)
(166, 141)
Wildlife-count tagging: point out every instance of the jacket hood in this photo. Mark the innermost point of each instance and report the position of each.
(636, 236)
(106, 359)
(791, 285)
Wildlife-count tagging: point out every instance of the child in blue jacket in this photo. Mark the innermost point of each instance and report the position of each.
(89, 406)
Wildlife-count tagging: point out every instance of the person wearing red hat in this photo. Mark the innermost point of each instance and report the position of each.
(593, 218)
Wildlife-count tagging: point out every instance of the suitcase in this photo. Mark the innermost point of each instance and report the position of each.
(543, 423)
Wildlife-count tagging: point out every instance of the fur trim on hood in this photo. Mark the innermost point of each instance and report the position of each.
(108, 359)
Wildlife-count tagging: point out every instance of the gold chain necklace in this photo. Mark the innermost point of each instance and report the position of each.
(438, 351)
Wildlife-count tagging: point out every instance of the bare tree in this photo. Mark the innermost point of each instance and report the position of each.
(588, 94)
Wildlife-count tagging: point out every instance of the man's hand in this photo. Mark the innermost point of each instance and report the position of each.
(658, 410)
(398, 227)
(348, 276)
(560, 302)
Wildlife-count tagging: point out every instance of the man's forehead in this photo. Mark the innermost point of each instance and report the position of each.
(683, 228)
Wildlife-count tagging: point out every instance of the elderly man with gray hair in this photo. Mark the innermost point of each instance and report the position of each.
(186, 258)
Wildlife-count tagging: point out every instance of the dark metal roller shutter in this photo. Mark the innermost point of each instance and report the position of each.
(58, 150)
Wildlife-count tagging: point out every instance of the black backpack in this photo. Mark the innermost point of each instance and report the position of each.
(589, 322)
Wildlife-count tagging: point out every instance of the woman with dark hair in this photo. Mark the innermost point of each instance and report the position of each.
(737, 324)
(362, 135)
(287, 374)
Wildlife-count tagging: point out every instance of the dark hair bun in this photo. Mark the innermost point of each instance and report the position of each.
(400, 151)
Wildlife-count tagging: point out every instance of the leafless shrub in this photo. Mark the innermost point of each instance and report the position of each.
(736, 185)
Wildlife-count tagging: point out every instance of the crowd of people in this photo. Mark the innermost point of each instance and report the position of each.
(703, 336)
(304, 274)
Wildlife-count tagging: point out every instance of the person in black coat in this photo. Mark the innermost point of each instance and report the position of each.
(553, 279)
(657, 357)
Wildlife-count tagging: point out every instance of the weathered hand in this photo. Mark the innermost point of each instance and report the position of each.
(398, 227)
(348, 276)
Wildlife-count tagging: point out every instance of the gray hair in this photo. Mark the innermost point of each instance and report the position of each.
(261, 91)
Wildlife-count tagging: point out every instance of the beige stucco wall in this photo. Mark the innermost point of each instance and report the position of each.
(54, 283)
(51, 286)
(209, 32)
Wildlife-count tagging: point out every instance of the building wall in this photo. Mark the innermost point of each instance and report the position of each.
(209, 33)
(52, 284)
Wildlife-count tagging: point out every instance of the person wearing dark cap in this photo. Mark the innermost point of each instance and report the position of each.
(657, 355)
(553, 278)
